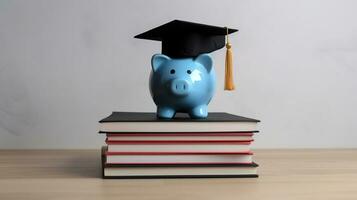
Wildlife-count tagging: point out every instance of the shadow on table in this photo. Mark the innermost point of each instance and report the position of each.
(84, 166)
(50, 164)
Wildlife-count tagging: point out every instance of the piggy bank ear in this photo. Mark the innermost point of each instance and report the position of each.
(157, 60)
(205, 60)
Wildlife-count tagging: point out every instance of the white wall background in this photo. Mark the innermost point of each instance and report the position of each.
(66, 64)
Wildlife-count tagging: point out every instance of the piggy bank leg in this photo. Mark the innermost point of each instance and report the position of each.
(199, 112)
(165, 112)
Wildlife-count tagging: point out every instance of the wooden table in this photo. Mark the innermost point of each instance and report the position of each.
(75, 174)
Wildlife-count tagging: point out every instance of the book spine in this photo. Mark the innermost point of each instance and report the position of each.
(178, 142)
(179, 153)
(182, 176)
(134, 134)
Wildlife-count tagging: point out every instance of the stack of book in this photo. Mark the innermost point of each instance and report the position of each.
(139, 145)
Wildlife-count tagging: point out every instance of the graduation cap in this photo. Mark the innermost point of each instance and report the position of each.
(182, 39)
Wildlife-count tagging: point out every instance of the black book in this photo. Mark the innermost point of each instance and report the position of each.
(120, 122)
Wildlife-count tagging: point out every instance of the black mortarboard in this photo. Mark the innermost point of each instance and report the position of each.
(187, 39)
(181, 39)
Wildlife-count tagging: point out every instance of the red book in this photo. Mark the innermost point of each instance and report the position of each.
(179, 158)
(178, 147)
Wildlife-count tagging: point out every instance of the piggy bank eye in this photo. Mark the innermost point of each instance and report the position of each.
(189, 72)
(172, 71)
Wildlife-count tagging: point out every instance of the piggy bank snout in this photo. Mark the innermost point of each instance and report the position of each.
(180, 87)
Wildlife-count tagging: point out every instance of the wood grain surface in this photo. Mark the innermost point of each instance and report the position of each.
(75, 174)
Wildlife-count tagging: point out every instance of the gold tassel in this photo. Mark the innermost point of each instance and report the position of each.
(228, 83)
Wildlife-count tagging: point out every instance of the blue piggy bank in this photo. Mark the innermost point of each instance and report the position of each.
(182, 85)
